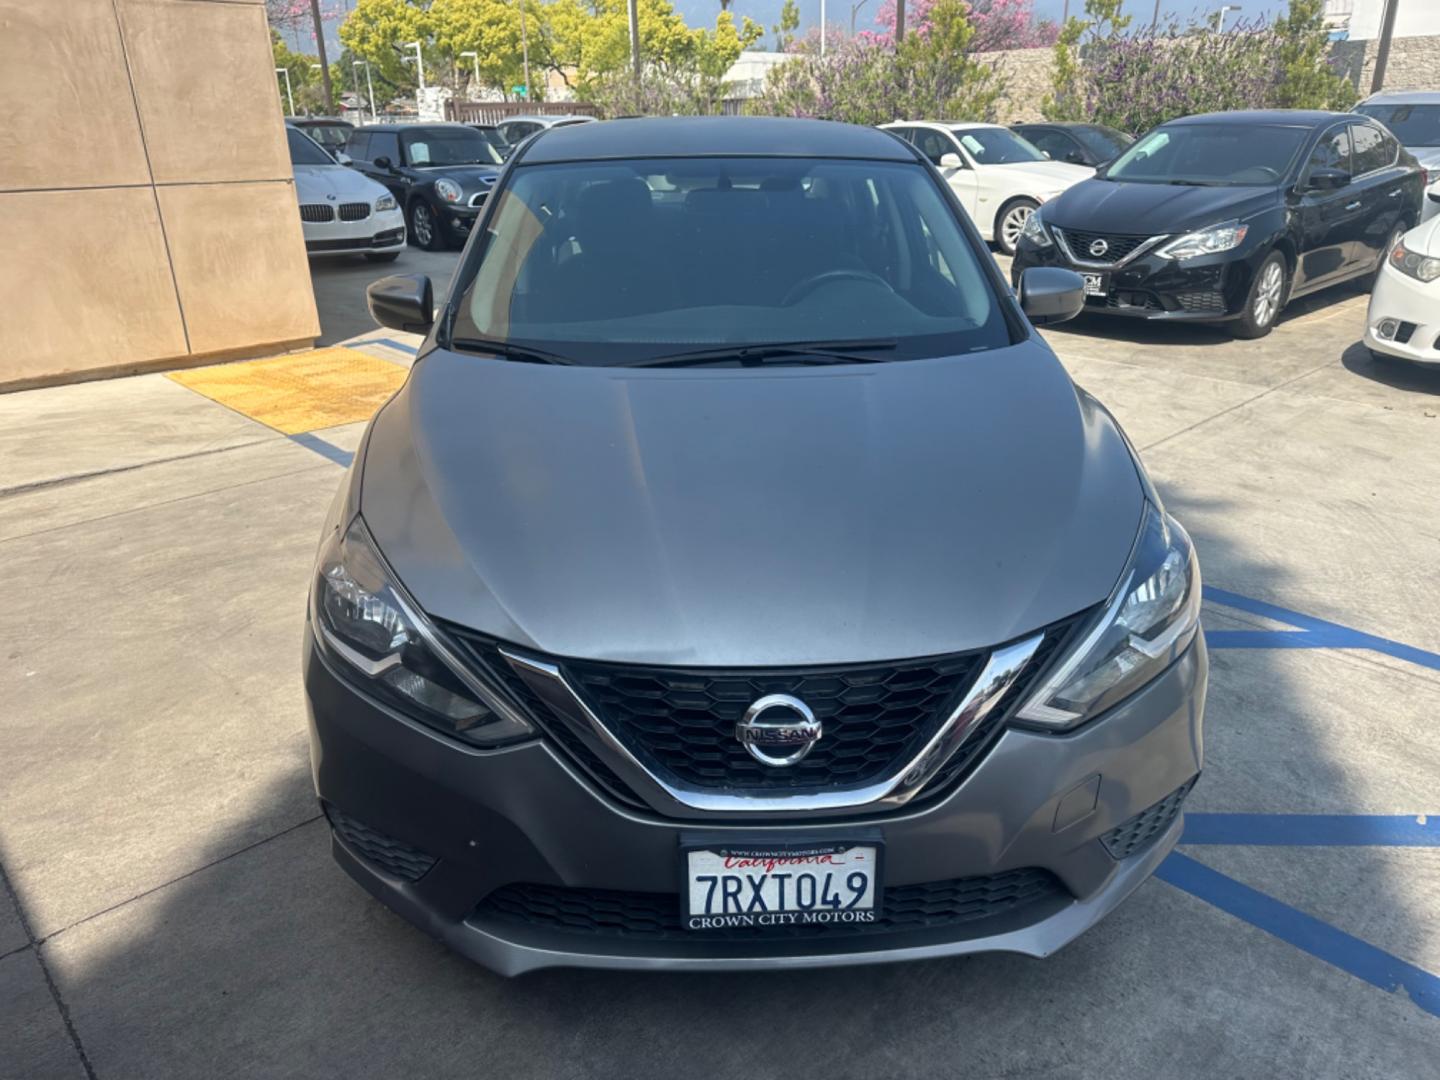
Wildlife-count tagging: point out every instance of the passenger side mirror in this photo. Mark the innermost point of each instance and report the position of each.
(402, 302)
(1049, 295)
(342, 158)
(950, 161)
(383, 162)
(1327, 179)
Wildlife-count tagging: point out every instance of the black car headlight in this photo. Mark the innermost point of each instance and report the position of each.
(448, 190)
(1148, 624)
(364, 620)
(1034, 230)
(1212, 241)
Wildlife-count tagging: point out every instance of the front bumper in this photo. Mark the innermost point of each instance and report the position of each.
(382, 231)
(490, 819)
(1415, 306)
(1208, 289)
(460, 218)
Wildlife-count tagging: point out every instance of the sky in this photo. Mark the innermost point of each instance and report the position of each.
(767, 12)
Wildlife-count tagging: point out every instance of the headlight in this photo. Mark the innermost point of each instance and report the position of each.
(1209, 241)
(385, 202)
(1150, 622)
(1034, 230)
(447, 189)
(364, 620)
(1412, 263)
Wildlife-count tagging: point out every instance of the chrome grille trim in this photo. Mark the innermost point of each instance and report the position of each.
(1091, 264)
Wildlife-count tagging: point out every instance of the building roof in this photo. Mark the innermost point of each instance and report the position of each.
(712, 136)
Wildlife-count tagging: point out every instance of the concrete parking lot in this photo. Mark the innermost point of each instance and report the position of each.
(171, 908)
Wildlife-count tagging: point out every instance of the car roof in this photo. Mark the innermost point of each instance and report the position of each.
(413, 127)
(1404, 97)
(303, 120)
(948, 125)
(1306, 118)
(713, 136)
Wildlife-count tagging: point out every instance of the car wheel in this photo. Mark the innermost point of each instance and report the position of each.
(425, 227)
(382, 256)
(1369, 279)
(1011, 221)
(1266, 298)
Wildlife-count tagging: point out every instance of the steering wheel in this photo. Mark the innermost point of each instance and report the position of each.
(802, 289)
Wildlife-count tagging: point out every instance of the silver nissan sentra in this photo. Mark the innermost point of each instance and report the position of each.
(739, 581)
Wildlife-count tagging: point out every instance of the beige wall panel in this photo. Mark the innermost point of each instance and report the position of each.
(205, 81)
(86, 283)
(239, 259)
(69, 118)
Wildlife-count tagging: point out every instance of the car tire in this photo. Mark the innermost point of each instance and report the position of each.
(426, 228)
(1010, 221)
(1265, 300)
(381, 256)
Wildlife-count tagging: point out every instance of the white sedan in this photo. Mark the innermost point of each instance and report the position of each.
(342, 212)
(999, 177)
(1404, 316)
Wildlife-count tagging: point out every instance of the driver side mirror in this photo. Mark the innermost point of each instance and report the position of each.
(1049, 295)
(342, 158)
(950, 161)
(402, 302)
(383, 162)
(1327, 179)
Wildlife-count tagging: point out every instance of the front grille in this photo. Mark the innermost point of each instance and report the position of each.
(1118, 246)
(875, 717)
(395, 857)
(930, 906)
(354, 211)
(317, 212)
(1209, 303)
(1130, 836)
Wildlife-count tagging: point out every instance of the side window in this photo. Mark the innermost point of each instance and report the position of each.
(1057, 145)
(385, 144)
(1370, 153)
(908, 134)
(933, 144)
(1331, 152)
(357, 146)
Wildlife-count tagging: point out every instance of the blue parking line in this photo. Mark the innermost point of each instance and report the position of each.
(1312, 632)
(324, 449)
(1305, 932)
(1313, 830)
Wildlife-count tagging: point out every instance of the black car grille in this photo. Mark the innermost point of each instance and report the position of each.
(1117, 246)
(316, 212)
(875, 717)
(930, 906)
(1208, 303)
(1130, 836)
(354, 211)
(395, 857)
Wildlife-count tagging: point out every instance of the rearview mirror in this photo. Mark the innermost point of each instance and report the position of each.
(1049, 295)
(383, 162)
(402, 302)
(342, 158)
(1327, 179)
(951, 161)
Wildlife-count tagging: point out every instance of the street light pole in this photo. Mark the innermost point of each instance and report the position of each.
(374, 116)
(634, 38)
(854, 8)
(289, 96)
(1382, 55)
(1224, 10)
(419, 60)
(324, 64)
(900, 20)
(475, 56)
(822, 27)
(525, 52)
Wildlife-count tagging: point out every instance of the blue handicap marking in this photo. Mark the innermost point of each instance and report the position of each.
(1313, 830)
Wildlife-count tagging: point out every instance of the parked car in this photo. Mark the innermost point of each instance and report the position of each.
(493, 136)
(440, 173)
(1413, 117)
(519, 128)
(329, 131)
(1404, 317)
(740, 581)
(342, 212)
(1079, 144)
(999, 177)
(1229, 216)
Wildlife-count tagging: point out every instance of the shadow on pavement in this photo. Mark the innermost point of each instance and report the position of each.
(1394, 373)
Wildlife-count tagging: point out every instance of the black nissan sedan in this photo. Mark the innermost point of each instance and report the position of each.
(1229, 216)
(441, 175)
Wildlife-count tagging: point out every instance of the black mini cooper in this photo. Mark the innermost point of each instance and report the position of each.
(1228, 216)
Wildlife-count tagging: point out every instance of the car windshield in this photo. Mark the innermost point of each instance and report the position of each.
(426, 147)
(1413, 125)
(303, 150)
(1103, 142)
(996, 146)
(1210, 154)
(627, 261)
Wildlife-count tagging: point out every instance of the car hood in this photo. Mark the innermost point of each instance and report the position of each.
(1152, 209)
(751, 517)
(1049, 175)
(1425, 238)
(334, 183)
(470, 177)
(1429, 156)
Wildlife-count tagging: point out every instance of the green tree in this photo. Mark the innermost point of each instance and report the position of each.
(1068, 99)
(1306, 79)
(784, 30)
(374, 29)
(491, 28)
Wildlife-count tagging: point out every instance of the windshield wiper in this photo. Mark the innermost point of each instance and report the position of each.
(814, 352)
(509, 350)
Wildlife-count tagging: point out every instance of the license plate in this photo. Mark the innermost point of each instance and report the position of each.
(813, 884)
(1096, 285)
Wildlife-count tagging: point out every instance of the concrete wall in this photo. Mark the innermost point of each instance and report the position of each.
(1028, 75)
(147, 207)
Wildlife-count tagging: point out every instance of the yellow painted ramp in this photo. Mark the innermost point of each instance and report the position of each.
(301, 392)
